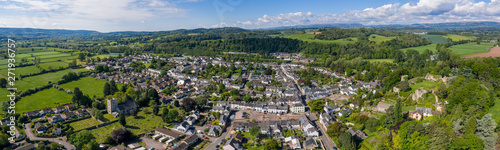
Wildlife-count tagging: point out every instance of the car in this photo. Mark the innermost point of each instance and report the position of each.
(152, 148)
(206, 138)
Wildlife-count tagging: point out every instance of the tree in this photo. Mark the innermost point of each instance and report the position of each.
(486, 131)
(271, 145)
(112, 88)
(77, 95)
(398, 112)
(164, 114)
(188, 104)
(316, 105)
(121, 135)
(335, 129)
(81, 138)
(404, 86)
(3, 83)
(346, 141)
(255, 131)
(107, 89)
(469, 141)
(81, 56)
(268, 71)
(471, 126)
(92, 145)
(222, 88)
(122, 119)
(156, 109)
(200, 101)
(4, 140)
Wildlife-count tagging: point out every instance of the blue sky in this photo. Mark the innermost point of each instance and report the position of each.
(155, 15)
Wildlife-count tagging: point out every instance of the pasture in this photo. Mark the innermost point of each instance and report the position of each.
(310, 38)
(436, 39)
(40, 80)
(380, 60)
(380, 38)
(421, 49)
(88, 85)
(45, 98)
(455, 37)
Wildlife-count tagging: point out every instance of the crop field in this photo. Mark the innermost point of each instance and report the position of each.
(494, 52)
(455, 37)
(309, 38)
(421, 49)
(88, 86)
(470, 48)
(46, 98)
(436, 39)
(380, 38)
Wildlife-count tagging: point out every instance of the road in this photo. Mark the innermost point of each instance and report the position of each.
(32, 137)
(327, 141)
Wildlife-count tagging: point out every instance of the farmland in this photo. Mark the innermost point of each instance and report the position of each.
(380, 60)
(310, 38)
(455, 37)
(379, 38)
(435, 39)
(45, 98)
(40, 80)
(87, 85)
(421, 49)
(470, 48)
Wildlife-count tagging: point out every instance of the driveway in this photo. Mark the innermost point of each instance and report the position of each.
(32, 137)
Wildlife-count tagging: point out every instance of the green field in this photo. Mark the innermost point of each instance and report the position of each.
(427, 85)
(46, 98)
(88, 86)
(40, 80)
(309, 38)
(455, 37)
(380, 38)
(380, 60)
(141, 124)
(470, 48)
(495, 110)
(421, 49)
(436, 39)
(82, 124)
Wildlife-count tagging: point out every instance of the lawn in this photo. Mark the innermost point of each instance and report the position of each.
(88, 86)
(46, 98)
(310, 38)
(421, 49)
(40, 80)
(81, 70)
(455, 37)
(470, 48)
(380, 38)
(425, 84)
(109, 117)
(380, 60)
(82, 124)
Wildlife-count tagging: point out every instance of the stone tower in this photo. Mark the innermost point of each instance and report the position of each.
(112, 105)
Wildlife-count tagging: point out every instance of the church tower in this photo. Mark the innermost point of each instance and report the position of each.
(112, 105)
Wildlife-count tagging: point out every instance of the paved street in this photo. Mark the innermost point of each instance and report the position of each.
(329, 144)
(32, 137)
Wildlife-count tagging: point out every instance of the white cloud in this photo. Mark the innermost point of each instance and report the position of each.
(424, 11)
(88, 13)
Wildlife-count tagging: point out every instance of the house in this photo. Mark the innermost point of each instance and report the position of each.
(426, 112)
(357, 134)
(182, 127)
(46, 110)
(80, 112)
(40, 127)
(32, 114)
(190, 140)
(57, 131)
(6, 121)
(310, 144)
(298, 108)
(120, 147)
(382, 107)
(233, 144)
(214, 131)
(293, 142)
(181, 146)
(55, 118)
(166, 133)
(308, 129)
(29, 146)
(326, 119)
(346, 112)
(70, 106)
(415, 114)
(331, 108)
(222, 120)
(115, 109)
(67, 115)
(59, 109)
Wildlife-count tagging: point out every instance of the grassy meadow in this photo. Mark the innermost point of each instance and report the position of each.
(88, 85)
(45, 98)
(310, 38)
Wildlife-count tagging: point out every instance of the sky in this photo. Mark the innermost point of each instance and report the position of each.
(161, 15)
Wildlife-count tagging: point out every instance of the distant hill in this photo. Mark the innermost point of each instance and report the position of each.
(446, 26)
(334, 25)
(32, 32)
